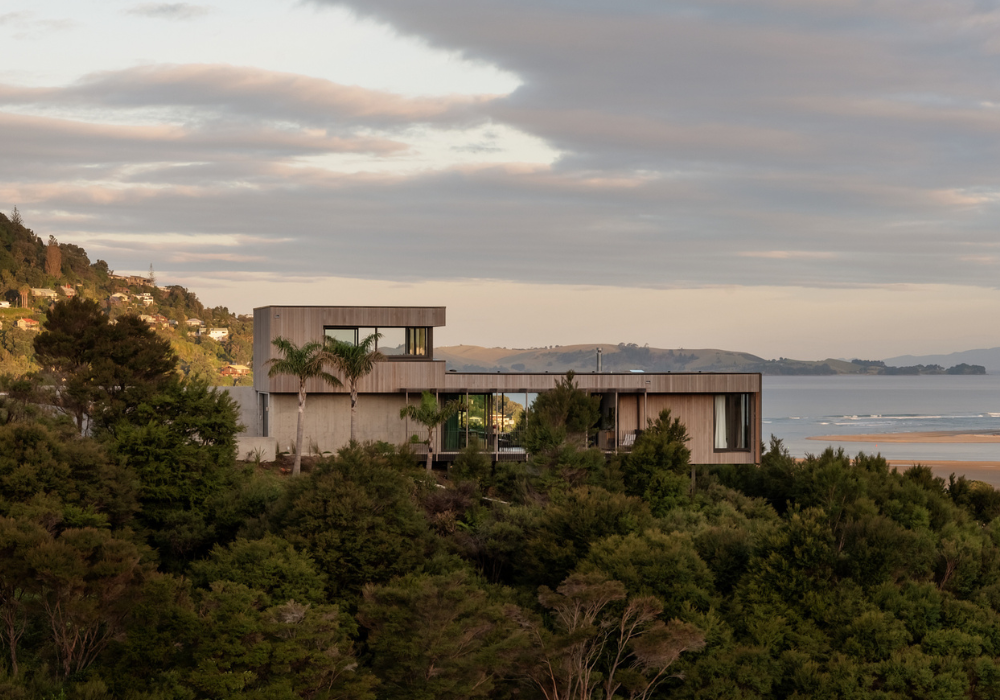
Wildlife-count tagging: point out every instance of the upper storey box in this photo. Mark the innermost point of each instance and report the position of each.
(407, 332)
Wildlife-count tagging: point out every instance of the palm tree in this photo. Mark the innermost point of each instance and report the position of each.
(429, 415)
(303, 362)
(355, 362)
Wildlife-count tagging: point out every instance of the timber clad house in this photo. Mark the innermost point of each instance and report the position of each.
(722, 412)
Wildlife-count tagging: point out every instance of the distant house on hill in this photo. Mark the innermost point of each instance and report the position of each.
(150, 320)
(67, 291)
(145, 298)
(117, 299)
(234, 371)
(132, 279)
(44, 293)
(27, 324)
(214, 333)
(194, 322)
(4, 304)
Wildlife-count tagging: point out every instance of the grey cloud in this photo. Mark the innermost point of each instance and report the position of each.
(833, 143)
(168, 10)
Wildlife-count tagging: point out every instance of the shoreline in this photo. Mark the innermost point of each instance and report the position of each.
(921, 437)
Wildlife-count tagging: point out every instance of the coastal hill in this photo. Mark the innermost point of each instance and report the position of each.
(34, 274)
(625, 357)
(987, 357)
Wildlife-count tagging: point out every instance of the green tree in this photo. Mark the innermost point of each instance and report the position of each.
(181, 444)
(437, 637)
(354, 362)
(72, 474)
(244, 649)
(356, 517)
(18, 539)
(73, 333)
(430, 415)
(84, 582)
(564, 413)
(658, 459)
(303, 363)
(109, 368)
(270, 565)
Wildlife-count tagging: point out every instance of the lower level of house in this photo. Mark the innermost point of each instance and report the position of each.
(721, 412)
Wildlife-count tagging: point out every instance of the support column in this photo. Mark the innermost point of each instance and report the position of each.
(617, 436)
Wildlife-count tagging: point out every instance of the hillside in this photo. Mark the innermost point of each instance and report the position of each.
(57, 270)
(987, 357)
(629, 356)
(625, 357)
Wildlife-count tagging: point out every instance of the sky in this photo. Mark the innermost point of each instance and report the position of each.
(790, 179)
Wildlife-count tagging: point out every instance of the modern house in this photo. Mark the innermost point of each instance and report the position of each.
(722, 412)
(218, 334)
(234, 371)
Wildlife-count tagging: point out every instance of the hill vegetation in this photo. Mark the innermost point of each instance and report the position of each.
(63, 269)
(142, 562)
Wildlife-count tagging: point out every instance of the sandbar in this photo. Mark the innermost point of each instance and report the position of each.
(930, 436)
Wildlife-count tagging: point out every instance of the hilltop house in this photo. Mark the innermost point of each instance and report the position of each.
(27, 324)
(194, 323)
(44, 293)
(722, 412)
(67, 291)
(218, 334)
(234, 371)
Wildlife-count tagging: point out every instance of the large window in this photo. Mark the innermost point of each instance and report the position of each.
(732, 422)
(395, 342)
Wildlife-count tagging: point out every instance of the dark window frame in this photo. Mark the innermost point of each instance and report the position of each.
(748, 422)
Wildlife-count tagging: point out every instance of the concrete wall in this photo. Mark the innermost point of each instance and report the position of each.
(327, 420)
(246, 398)
(247, 448)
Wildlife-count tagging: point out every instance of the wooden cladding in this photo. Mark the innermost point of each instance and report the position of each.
(386, 378)
(301, 324)
(415, 376)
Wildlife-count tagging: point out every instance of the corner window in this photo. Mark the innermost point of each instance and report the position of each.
(732, 422)
(395, 342)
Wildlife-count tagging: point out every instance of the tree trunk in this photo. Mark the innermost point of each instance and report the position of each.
(430, 451)
(692, 481)
(354, 412)
(13, 635)
(296, 468)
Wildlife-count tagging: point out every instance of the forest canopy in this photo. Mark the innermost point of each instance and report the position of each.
(142, 561)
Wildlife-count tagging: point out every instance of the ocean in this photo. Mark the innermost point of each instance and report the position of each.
(795, 408)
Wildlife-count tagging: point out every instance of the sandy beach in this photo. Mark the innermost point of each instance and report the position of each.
(979, 470)
(932, 436)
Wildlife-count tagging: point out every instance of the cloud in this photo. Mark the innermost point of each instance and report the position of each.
(249, 93)
(14, 17)
(650, 146)
(168, 10)
(788, 254)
